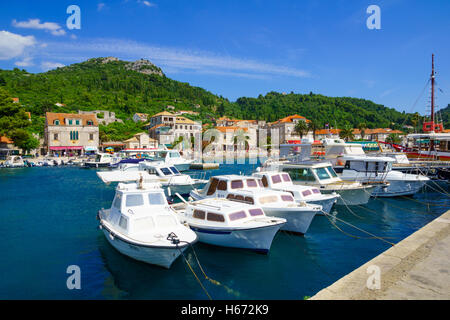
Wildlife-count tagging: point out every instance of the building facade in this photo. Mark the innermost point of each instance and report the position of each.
(103, 116)
(141, 141)
(286, 128)
(68, 133)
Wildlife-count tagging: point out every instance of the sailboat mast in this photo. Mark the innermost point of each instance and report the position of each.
(432, 92)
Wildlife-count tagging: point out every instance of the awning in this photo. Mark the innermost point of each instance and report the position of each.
(67, 148)
(90, 148)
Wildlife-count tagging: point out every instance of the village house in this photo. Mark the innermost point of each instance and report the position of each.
(141, 141)
(104, 117)
(166, 127)
(286, 128)
(230, 138)
(140, 117)
(69, 133)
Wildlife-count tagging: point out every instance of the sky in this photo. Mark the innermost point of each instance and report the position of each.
(237, 48)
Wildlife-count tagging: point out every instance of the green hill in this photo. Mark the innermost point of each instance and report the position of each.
(129, 87)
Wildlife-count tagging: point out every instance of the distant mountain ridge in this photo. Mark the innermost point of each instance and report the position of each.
(127, 87)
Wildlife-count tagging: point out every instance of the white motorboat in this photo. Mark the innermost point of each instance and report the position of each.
(366, 169)
(323, 176)
(101, 160)
(141, 225)
(170, 178)
(308, 194)
(172, 158)
(14, 162)
(228, 223)
(274, 203)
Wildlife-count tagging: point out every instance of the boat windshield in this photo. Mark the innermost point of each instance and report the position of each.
(251, 183)
(174, 170)
(134, 200)
(156, 199)
(322, 173)
(332, 172)
(166, 171)
(237, 215)
(174, 155)
(300, 174)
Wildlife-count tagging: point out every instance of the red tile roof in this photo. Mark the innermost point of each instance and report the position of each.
(51, 117)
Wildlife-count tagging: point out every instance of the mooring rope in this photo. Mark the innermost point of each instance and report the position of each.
(372, 236)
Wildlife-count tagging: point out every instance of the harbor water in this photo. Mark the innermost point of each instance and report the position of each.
(48, 222)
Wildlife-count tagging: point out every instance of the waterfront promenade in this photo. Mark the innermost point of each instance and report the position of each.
(417, 267)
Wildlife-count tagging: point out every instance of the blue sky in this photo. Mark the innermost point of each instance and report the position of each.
(246, 48)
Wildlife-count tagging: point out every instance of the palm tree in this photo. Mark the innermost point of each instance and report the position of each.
(347, 134)
(240, 138)
(394, 138)
(312, 126)
(301, 128)
(362, 126)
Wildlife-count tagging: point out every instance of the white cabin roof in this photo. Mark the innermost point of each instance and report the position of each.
(368, 158)
(220, 205)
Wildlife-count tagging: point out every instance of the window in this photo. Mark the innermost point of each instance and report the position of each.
(56, 122)
(215, 217)
(332, 172)
(123, 223)
(77, 122)
(302, 174)
(268, 199)
(306, 193)
(156, 199)
(265, 182)
(212, 187)
(174, 170)
(276, 179)
(90, 123)
(249, 200)
(134, 200)
(315, 190)
(287, 198)
(222, 185)
(91, 136)
(166, 171)
(251, 183)
(70, 122)
(239, 198)
(237, 184)
(322, 173)
(55, 136)
(256, 212)
(260, 183)
(286, 177)
(117, 201)
(199, 214)
(230, 196)
(237, 215)
(73, 135)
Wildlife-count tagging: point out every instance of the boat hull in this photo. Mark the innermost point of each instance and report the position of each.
(159, 256)
(399, 188)
(255, 239)
(182, 166)
(97, 164)
(297, 221)
(351, 197)
(326, 204)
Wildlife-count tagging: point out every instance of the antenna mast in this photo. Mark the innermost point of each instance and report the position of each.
(432, 92)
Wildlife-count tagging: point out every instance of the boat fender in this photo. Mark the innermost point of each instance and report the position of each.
(100, 227)
(302, 203)
(111, 235)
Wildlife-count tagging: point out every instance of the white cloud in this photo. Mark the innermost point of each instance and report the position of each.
(147, 3)
(26, 62)
(100, 6)
(13, 45)
(52, 27)
(47, 65)
(174, 58)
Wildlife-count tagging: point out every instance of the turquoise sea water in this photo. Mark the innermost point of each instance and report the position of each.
(47, 222)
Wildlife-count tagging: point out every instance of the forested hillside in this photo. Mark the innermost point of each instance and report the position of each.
(129, 87)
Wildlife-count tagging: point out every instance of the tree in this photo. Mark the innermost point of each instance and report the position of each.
(301, 128)
(362, 126)
(240, 139)
(347, 133)
(312, 126)
(394, 138)
(24, 140)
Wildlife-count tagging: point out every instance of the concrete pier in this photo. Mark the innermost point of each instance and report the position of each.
(417, 267)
